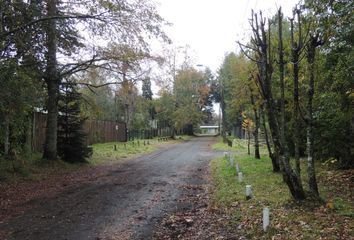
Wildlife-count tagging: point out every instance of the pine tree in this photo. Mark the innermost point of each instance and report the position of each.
(71, 138)
(147, 94)
(146, 88)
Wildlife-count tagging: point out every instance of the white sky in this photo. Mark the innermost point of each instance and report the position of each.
(212, 27)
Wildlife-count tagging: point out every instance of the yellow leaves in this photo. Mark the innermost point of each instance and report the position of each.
(247, 122)
(330, 205)
(204, 90)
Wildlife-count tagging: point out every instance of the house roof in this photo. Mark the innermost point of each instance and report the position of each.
(208, 126)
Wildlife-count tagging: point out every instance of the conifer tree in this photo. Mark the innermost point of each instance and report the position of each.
(71, 137)
(147, 95)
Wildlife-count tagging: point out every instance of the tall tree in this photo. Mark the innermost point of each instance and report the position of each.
(19, 67)
(281, 63)
(52, 80)
(207, 93)
(225, 76)
(147, 95)
(271, 152)
(71, 138)
(146, 89)
(296, 48)
(261, 48)
(234, 76)
(119, 18)
(165, 107)
(127, 94)
(191, 90)
(257, 123)
(313, 43)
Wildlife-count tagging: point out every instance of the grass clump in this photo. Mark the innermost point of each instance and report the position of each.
(309, 219)
(32, 167)
(237, 145)
(220, 146)
(113, 151)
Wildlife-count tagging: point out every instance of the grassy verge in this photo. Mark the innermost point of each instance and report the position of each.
(289, 219)
(31, 167)
(109, 152)
(112, 152)
(239, 146)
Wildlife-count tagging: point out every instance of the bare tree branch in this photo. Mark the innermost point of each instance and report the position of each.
(89, 85)
(244, 52)
(23, 27)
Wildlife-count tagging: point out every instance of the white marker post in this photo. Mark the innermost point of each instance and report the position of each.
(240, 177)
(231, 160)
(265, 218)
(249, 194)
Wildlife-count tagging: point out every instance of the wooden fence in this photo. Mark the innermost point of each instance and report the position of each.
(96, 131)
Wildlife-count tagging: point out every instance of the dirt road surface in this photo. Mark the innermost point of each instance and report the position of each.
(125, 203)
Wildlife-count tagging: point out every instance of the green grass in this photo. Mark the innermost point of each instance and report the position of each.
(104, 152)
(220, 146)
(183, 137)
(289, 219)
(32, 167)
(239, 145)
(268, 188)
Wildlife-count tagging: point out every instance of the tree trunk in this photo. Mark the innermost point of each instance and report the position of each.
(292, 180)
(50, 146)
(265, 66)
(311, 51)
(223, 118)
(173, 133)
(256, 130)
(6, 134)
(53, 81)
(256, 139)
(273, 156)
(28, 144)
(282, 85)
(295, 54)
(223, 112)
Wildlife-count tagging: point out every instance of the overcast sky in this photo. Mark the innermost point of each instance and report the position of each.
(211, 27)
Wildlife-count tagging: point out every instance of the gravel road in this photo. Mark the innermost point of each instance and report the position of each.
(125, 203)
